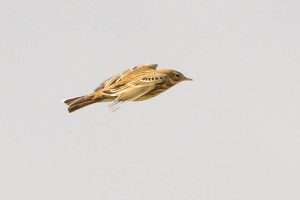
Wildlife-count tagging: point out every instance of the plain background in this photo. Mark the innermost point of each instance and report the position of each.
(231, 134)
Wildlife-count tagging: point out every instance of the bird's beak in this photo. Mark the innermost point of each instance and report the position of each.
(187, 79)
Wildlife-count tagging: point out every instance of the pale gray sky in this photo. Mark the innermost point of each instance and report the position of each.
(231, 134)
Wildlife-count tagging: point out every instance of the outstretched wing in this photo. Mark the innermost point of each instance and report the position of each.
(134, 70)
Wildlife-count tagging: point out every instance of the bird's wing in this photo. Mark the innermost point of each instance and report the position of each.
(128, 92)
(128, 73)
(116, 91)
(148, 79)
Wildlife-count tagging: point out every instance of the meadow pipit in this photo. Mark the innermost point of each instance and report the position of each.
(136, 84)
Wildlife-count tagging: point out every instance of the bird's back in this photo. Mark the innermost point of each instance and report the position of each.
(127, 76)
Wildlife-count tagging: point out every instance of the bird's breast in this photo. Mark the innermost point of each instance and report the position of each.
(159, 88)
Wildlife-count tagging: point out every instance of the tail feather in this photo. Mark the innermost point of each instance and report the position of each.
(70, 101)
(80, 102)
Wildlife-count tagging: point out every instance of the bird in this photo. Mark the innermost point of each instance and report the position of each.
(138, 83)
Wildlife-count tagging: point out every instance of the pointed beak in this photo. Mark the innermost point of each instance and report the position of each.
(187, 79)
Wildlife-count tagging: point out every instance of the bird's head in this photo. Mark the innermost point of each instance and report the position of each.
(177, 77)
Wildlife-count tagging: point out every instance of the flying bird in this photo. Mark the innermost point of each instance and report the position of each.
(135, 84)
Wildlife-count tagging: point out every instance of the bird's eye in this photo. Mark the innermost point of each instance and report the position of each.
(177, 75)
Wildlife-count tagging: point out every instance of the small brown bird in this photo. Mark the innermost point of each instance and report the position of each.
(136, 84)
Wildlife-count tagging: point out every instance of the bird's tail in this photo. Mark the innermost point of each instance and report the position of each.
(80, 102)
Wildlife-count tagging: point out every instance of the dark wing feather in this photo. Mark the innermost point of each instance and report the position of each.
(124, 74)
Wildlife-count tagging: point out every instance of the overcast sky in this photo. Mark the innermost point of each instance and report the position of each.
(231, 134)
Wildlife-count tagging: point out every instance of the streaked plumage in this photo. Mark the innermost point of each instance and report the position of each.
(136, 84)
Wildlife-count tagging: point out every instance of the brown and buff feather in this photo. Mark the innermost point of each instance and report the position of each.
(80, 102)
(70, 101)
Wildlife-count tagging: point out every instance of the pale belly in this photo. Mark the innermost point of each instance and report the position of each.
(151, 94)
